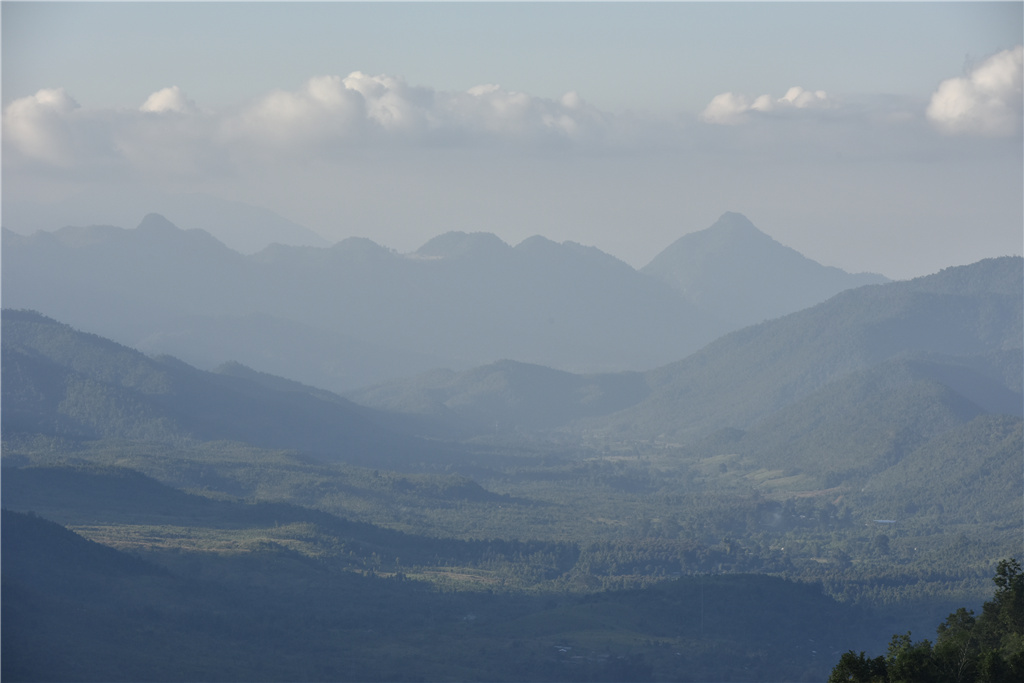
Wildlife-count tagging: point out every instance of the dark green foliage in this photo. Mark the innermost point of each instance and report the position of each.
(987, 648)
(970, 474)
(96, 614)
(854, 668)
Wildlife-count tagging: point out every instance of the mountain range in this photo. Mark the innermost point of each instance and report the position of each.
(242, 227)
(356, 314)
(843, 390)
(962, 320)
(511, 514)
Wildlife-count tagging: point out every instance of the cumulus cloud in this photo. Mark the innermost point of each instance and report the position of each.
(727, 108)
(323, 108)
(38, 126)
(360, 106)
(169, 134)
(987, 101)
(169, 100)
(732, 108)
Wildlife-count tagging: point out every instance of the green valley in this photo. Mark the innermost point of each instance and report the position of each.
(168, 523)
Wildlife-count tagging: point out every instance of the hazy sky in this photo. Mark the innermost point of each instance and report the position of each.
(870, 136)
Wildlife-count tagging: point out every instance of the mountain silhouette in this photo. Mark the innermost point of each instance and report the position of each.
(744, 275)
(358, 314)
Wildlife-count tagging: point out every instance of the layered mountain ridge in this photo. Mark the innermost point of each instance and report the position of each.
(356, 313)
(875, 378)
(960, 329)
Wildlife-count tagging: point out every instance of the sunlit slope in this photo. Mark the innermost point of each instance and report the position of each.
(958, 331)
(900, 426)
(747, 375)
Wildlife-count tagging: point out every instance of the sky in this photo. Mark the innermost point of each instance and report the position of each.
(878, 136)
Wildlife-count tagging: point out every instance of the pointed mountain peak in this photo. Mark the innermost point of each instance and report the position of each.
(731, 236)
(154, 222)
(744, 275)
(730, 220)
(733, 226)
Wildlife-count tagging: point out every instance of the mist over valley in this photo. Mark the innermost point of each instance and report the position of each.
(515, 342)
(543, 435)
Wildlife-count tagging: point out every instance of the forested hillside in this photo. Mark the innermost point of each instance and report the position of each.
(818, 377)
(516, 523)
(986, 647)
(84, 612)
(743, 377)
(62, 383)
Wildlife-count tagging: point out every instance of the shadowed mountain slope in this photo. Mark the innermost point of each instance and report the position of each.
(68, 384)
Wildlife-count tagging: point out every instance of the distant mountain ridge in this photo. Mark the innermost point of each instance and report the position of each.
(740, 378)
(356, 314)
(734, 268)
(949, 343)
(242, 227)
(873, 382)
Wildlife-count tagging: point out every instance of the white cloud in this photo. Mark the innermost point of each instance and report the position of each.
(38, 126)
(732, 108)
(324, 108)
(360, 106)
(805, 99)
(987, 101)
(728, 108)
(169, 100)
(170, 135)
(330, 118)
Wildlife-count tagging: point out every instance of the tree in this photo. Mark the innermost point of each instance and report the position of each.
(957, 648)
(910, 662)
(984, 649)
(854, 668)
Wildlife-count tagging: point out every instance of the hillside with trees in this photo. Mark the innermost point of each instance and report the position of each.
(235, 525)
